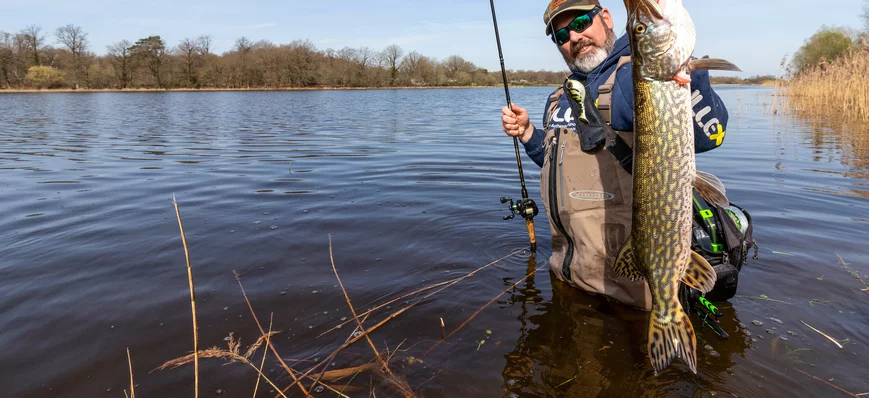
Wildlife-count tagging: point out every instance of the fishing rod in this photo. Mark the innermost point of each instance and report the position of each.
(525, 207)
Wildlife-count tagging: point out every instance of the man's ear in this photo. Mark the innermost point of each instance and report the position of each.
(607, 18)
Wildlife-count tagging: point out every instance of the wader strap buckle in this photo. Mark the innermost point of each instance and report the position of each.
(605, 91)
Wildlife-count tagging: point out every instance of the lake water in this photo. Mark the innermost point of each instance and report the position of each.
(407, 184)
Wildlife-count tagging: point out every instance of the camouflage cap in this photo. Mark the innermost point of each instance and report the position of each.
(556, 7)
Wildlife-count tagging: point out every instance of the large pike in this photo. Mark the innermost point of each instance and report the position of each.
(662, 40)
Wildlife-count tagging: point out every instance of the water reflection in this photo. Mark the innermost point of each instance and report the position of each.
(838, 140)
(577, 344)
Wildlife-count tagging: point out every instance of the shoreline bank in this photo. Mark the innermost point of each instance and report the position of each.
(157, 90)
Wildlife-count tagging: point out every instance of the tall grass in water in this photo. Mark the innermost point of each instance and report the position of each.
(838, 90)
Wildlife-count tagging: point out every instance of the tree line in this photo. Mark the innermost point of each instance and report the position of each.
(31, 58)
(753, 80)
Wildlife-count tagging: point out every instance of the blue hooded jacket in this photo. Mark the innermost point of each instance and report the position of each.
(710, 115)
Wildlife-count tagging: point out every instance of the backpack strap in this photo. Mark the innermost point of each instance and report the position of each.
(617, 146)
(605, 91)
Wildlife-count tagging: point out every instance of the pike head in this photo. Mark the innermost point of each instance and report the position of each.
(662, 38)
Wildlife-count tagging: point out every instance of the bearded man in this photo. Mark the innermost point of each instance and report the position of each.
(586, 180)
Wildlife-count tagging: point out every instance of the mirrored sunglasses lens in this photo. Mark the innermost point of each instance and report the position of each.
(562, 36)
(581, 23)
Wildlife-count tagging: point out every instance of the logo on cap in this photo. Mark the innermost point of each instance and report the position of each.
(555, 3)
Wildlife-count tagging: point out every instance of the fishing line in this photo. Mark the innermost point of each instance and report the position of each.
(525, 207)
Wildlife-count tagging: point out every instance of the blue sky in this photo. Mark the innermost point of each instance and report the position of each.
(753, 34)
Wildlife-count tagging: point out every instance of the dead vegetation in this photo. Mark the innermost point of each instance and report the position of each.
(837, 90)
(317, 378)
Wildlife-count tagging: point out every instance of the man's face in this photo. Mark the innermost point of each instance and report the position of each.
(586, 50)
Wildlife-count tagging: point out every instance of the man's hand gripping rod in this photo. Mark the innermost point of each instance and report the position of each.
(526, 207)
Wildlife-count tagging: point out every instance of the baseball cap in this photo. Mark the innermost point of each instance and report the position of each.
(556, 7)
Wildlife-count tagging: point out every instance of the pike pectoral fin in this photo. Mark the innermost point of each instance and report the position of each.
(670, 338)
(712, 64)
(711, 189)
(625, 265)
(682, 78)
(699, 274)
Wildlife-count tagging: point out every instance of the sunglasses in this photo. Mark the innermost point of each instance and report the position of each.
(579, 24)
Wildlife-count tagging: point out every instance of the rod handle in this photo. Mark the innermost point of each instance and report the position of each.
(530, 224)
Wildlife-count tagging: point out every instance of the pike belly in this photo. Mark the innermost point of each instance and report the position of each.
(664, 171)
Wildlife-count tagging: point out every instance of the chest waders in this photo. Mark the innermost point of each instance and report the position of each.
(586, 186)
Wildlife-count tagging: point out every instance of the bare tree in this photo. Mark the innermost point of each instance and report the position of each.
(410, 63)
(191, 52)
(348, 55)
(301, 66)
(243, 45)
(865, 17)
(458, 70)
(204, 43)
(75, 39)
(364, 57)
(7, 57)
(34, 41)
(390, 58)
(120, 57)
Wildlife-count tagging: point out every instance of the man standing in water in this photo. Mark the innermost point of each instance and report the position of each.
(586, 189)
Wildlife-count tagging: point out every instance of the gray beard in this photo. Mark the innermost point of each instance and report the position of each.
(587, 63)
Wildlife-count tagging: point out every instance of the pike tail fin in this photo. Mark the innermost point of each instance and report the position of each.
(712, 64)
(711, 189)
(670, 338)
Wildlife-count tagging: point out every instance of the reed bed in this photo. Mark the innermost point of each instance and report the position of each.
(838, 90)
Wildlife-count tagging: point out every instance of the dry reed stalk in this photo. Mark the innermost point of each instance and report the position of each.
(132, 386)
(192, 301)
(853, 273)
(265, 352)
(484, 307)
(427, 288)
(823, 334)
(411, 305)
(775, 90)
(397, 313)
(350, 340)
(231, 354)
(831, 384)
(379, 306)
(289, 370)
(342, 373)
(353, 311)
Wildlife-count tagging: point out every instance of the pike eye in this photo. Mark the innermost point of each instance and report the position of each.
(640, 28)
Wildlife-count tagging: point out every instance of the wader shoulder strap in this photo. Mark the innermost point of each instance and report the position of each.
(553, 102)
(615, 144)
(605, 91)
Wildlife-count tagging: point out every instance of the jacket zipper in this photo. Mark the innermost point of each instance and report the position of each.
(561, 174)
(553, 205)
